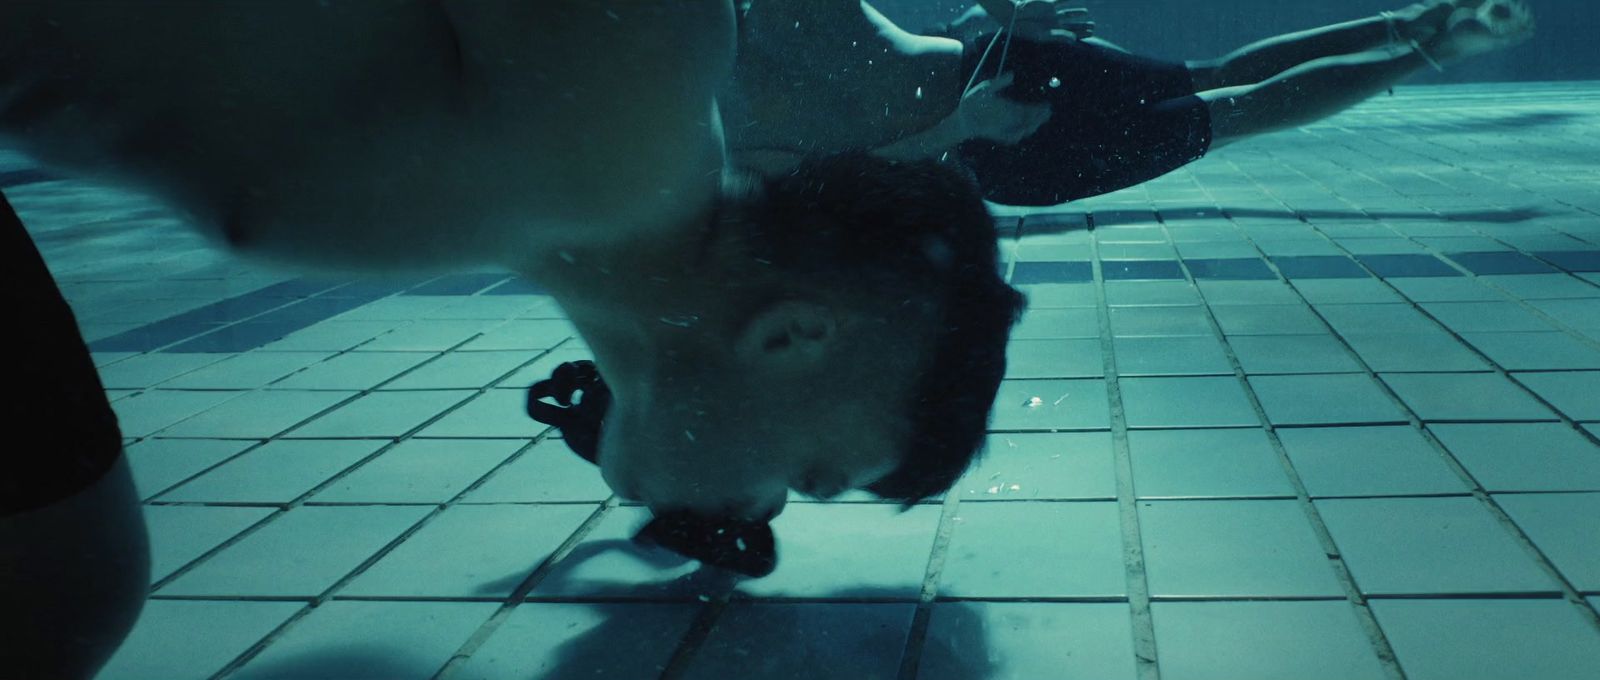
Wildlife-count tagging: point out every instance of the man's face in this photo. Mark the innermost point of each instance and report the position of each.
(794, 405)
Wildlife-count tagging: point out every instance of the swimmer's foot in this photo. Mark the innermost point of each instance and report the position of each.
(1422, 22)
(1488, 26)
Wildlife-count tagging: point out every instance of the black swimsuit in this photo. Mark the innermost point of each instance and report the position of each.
(60, 429)
(1117, 120)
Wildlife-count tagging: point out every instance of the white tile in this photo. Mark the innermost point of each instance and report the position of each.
(1324, 400)
(1186, 402)
(827, 640)
(1058, 295)
(1486, 317)
(1051, 405)
(607, 564)
(330, 336)
(145, 414)
(1045, 324)
(1073, 549)
(500, 413)
(1555, 523)
(820, 550)
(1489, 639)
(160, 463)
(1536, 351)
(147, 370)
(1573, 392)
(1223, 293)
(383, 414)
(1064, 358)
(1191, 355)
(1201, 463)
(353, 371)
(558, 640)
(461, 370)
(428, 336)
(1255, 548)
(1368, 461)
(161, 644)
(421, 471)
(339, 641)
(549, 472)
(257, 414)
(528, 337)
(1346, 291)
(1434, 350)
(1164, 321)
(969, 640)
(1544, 286)
(471, 551)
(1140, 293)
(246, 371)
(1268, 320)
(301, 553)
(1042, 466)
(1421, 546)
(1465, 396)
(179, 534)
(1235, 640)
(278, 472)
(1524, 456)
(1353, 319)
(1445, 289)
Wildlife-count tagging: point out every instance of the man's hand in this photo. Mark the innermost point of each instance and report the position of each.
(985, 114)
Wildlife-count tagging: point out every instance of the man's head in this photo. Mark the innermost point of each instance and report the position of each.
(850, 333)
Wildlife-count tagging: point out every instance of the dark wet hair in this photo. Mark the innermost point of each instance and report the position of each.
(905, 228)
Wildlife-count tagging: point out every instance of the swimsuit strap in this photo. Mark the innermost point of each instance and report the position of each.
(1008, 31)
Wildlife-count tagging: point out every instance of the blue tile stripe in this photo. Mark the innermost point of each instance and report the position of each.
(1573, 260)
(1388, 266)
(1052, 272)
(1500, 262)
(1319, 267)
(1128, 270)
(239, 323)
(1237, 269)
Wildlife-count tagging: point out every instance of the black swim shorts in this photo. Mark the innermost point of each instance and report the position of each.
(1117, 120)
(61, 434)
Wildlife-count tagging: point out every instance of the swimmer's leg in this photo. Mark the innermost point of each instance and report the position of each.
(1264, 59)
(1323, 87)
(1306, 93)
(74, 552)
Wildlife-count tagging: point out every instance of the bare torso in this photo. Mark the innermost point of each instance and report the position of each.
(424, 134)
(824, 76)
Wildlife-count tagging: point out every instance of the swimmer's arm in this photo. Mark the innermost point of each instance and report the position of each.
(933, 143)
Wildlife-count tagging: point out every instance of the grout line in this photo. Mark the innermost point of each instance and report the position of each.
(1147, 662)
(1486, 500)
(921, 619)
(1381, 647)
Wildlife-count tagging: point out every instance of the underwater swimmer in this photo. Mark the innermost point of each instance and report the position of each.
(844, 327)
(1043, 114)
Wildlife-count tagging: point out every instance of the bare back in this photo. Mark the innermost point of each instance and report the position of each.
(416, 134)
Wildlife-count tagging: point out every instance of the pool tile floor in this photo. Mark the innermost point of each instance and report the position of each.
(1323, 405)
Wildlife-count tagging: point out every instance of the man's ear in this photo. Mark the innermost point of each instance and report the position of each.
(792, 332)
